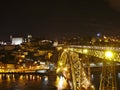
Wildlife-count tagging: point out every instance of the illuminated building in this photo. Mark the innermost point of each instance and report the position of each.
(17, 40)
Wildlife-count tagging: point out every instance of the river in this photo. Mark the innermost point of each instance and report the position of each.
(40, 82)
(32, 82)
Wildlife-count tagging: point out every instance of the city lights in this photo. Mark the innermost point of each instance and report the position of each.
(85, 51)
(60, 45)
(109, 54)
(71, 63)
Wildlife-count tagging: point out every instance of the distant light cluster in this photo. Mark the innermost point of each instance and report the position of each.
(17, 41)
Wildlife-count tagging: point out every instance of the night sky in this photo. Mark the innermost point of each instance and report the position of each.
(58, 18)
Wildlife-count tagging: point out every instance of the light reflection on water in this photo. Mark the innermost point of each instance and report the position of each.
(31, 82)
(61, 83)
(40, 82)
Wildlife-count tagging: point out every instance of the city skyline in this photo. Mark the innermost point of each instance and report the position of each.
(54, 19)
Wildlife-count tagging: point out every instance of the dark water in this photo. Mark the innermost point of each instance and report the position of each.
(31, 82)
(41, 82)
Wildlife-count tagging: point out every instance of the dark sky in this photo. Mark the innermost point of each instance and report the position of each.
(56, 18)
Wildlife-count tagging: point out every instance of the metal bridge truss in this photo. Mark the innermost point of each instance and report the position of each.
(108, 77)
(75, 70)
(78, 72)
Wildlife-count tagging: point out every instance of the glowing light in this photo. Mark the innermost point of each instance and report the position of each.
(65, 69)
(118, 75)
(58, 69)
(41, 71)
(49, 55)
(59, 48)
(35, 62)
(8, 77)
(20, 60)
(31, 77)
(46, 78)
(85, 51)
(108, 54)
(17, 41)
(61, 83)
(92, 87)
(61, 64)
(65, 50)
(21, 77)
(92, 76)
(23, 56)
(98, 34)
(0, 76)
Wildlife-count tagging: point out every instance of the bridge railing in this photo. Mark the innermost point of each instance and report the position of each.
(97, 51)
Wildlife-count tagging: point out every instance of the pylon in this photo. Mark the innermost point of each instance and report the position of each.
(108, 76)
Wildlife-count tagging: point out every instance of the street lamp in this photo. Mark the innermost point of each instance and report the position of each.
(109, 55)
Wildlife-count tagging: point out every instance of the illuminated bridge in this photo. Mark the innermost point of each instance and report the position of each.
(75, 61)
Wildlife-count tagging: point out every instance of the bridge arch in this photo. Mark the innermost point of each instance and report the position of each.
(108, 71)
(74, 70)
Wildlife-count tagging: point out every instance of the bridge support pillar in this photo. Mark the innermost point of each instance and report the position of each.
(108, 76)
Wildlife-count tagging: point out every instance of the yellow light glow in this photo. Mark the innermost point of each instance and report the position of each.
(49, 55)
(61, 83)
(65, 50)
(59, 48)
(58, 70)
(109, 54)
(20, 60)
(23, 56)
(65, 69)
(46, 78)
(35, 62)
(85, 51)
(61, 64)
